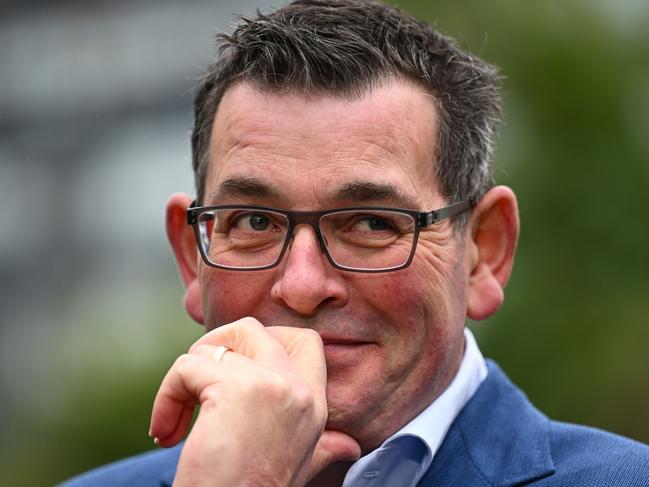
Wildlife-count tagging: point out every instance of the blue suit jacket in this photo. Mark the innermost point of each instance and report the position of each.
(498, 439)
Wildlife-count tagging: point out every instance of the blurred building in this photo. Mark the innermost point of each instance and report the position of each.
(95, 116)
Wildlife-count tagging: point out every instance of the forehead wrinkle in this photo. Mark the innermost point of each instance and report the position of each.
(247, 135)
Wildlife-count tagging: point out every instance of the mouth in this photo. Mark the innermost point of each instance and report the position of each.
(345, 352)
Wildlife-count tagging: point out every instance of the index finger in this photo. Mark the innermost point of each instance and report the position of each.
(250, 338)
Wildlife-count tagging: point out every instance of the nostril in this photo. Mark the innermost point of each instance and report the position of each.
(328, 301)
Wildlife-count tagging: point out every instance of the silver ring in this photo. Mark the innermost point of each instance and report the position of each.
(219, 352)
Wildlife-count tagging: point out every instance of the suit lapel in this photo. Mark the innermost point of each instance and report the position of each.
(498, 439)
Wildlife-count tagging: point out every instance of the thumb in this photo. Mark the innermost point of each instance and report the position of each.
(333, 446)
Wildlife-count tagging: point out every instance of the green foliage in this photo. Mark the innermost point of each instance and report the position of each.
(105, 373)
(574, 328)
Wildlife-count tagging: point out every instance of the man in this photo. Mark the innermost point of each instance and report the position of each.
(344, 228)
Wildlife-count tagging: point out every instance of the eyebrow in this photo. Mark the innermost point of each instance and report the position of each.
(239, 186)
(367, 191)
(355, 191)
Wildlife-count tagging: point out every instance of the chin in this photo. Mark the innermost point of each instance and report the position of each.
(351, 417)
(358, 426)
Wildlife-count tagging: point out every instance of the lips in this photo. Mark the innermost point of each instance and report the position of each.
(345, 352)
(343, 342)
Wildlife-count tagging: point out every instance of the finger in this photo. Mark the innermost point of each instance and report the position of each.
(178, 431)
(211, 352)
(167, 407)
(306, 353)
(182, 388)
(333, 446)
(250, 338)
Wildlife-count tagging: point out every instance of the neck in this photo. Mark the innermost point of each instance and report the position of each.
(331, 476)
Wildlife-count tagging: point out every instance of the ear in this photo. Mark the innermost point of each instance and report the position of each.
(491, 240)
(182, 240)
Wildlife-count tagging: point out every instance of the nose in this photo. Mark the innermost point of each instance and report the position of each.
(306, 281)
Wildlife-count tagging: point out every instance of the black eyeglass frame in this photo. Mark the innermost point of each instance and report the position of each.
(422, 219)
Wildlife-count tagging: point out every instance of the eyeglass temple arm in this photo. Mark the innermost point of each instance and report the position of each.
(425, 219)
(191, 216)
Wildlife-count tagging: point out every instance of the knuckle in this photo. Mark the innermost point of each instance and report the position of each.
(183, 363)
(210, 396)
(303, 399)
(275, 387)
(201, 349)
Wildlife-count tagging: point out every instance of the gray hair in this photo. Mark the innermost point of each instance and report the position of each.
(344, 48)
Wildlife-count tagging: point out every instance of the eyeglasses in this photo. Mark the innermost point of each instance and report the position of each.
(363, 239)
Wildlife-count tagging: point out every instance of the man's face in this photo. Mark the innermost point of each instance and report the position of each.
(393, 341)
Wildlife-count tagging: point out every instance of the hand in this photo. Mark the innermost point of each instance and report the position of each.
(263, 408)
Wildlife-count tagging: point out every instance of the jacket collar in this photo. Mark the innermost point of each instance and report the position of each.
(499, 439)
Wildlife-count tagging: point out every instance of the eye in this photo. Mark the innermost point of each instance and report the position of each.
(375, 223)
(372, 223)
(254, 222)
(258, 222)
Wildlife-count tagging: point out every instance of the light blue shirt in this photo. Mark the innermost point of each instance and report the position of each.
(403, 458)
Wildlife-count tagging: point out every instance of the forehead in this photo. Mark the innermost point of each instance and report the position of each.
(298, 150)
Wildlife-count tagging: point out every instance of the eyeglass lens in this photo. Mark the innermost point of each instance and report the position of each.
(244, 238)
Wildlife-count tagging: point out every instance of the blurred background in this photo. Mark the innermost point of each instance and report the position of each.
(95, 115)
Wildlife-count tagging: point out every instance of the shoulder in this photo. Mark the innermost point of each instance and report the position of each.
(500, 438)
(589, 456)
(154, 468)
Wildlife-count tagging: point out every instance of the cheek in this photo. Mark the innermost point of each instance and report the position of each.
(398, 301)
(393, 292)
(410, 293)
(427, 305)
(423, 308)
(415, 327)
(229, 296)
(446, 280)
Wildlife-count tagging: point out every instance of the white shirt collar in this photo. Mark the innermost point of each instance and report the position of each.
(428, 428)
